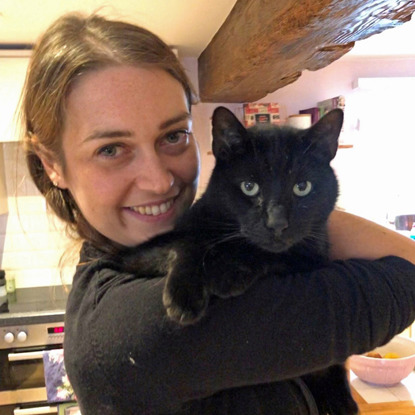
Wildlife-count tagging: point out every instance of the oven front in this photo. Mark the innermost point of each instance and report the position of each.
(22, 379)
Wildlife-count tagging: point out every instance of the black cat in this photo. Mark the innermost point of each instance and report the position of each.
(264, 212)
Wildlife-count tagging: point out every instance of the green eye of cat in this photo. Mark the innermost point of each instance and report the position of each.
(250, 188)
(302, 188)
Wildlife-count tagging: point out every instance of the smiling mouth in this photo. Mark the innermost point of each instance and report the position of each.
(153, 210)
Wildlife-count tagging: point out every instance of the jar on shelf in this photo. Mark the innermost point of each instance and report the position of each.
(3, 293)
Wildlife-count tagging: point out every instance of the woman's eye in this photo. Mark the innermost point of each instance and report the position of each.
(177, 136)
(302, 188)
(110, 150)
(250, 188)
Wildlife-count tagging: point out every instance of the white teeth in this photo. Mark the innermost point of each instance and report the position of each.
(153, 210)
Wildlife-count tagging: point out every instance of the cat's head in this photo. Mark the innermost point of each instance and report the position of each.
(276, 183)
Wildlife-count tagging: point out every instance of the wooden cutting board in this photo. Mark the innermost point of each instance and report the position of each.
(384, 408)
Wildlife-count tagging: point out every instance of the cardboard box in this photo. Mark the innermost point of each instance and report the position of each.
(261, 114)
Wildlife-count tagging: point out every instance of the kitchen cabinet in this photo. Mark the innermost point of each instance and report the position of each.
(12, 75)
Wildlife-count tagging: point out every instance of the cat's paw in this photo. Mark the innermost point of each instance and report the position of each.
(231, 283)
(185, 304)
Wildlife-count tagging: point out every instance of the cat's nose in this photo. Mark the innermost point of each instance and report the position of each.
(277, 218)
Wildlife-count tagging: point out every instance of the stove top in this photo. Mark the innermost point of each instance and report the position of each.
(35, 301)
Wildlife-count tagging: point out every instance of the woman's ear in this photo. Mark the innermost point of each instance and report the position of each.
(53, 169)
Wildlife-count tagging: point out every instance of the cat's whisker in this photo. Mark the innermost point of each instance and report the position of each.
(307, 148)
(316, 236)
(223, 225)
(225, 238)
(220, 227)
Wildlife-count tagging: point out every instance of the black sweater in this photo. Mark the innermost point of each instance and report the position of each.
(124, 357)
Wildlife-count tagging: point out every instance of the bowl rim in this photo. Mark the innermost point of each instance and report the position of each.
(398, 338)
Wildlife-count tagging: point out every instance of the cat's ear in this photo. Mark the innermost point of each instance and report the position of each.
(325, 133)
(228, 134)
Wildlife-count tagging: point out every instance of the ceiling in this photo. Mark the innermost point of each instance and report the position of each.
(393, 42)
(188, 25)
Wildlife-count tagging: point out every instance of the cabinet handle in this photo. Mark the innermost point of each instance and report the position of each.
(37, 411)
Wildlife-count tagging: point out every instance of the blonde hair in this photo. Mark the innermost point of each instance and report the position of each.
(73, 45)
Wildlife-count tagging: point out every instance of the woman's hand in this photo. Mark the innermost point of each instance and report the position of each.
(351, 236)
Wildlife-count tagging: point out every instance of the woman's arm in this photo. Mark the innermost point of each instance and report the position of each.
(282, 328)
(354, 237)
(120, 345)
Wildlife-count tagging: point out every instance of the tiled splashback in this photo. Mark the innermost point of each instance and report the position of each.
(32, 241)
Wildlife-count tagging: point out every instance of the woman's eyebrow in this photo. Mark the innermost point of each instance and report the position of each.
(126, 133)
(181, 117)
(108, 134)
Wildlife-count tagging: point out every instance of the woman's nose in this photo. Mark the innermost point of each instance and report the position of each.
(154, 175)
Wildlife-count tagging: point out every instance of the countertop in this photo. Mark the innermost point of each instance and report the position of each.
(35, 305)
(33, 317)
(381, 400)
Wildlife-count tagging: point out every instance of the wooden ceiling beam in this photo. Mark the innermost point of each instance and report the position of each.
(265, 45)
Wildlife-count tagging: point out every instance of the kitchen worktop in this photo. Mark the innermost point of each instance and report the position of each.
(35, 305)
(33, 317)
(384, 400)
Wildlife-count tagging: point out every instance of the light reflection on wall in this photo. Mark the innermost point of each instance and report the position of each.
(378, 174)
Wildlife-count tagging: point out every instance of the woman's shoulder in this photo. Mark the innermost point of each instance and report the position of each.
(99, 272)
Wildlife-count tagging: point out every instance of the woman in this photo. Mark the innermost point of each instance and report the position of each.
(107, 113)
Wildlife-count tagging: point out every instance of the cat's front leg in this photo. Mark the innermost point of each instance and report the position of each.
(230, 272)
(149, 261)
(185, 295)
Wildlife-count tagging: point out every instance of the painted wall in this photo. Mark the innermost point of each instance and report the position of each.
(376, 175)
(33, 242)
(336, 79)
(202, 113)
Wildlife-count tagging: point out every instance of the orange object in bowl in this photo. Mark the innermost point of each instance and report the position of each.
(392, 356)
(386, 371)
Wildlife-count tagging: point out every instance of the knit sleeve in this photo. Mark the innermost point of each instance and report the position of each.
(282, 327)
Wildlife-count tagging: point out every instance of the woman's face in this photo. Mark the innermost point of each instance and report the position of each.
(132, 163)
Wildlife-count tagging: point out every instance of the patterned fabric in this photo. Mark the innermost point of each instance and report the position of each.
(58, 388)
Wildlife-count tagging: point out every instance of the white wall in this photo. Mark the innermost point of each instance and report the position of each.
(336, 79)
(376, 175)
(202, 113)
(33, 242)
(12, 76)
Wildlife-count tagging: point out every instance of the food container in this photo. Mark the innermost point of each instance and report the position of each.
(386, 371)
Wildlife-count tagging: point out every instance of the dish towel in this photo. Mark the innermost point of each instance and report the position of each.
(58, 388)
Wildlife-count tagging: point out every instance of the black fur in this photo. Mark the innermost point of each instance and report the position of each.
(264, 212)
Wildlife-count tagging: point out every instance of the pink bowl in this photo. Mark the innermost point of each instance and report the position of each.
(386, 371)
